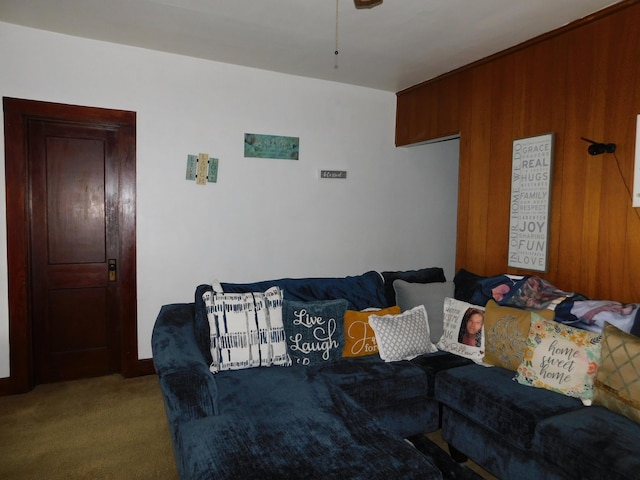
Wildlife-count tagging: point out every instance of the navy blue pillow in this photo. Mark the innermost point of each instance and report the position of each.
(315, 330)
(466, 284)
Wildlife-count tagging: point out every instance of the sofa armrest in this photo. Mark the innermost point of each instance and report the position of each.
(188, 395)
(173, 340)
(188, 387)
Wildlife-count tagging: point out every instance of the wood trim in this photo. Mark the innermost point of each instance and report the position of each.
(17, 253)
(581, 83)
(17, 112)
(528, 43)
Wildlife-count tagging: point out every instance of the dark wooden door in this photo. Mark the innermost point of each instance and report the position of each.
(74, 193)
(70, 176)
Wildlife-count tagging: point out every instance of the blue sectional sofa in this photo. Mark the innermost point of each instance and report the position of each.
(348, 419)
(515, 431)
(343, 420)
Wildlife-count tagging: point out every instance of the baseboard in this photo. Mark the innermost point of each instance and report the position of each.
(145, 367)
(5, 386)
(142, 367)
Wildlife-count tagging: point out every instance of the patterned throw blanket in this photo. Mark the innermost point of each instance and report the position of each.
(531, 292)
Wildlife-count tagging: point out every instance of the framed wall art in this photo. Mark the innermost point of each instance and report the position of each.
(530, 202)
(271, 146)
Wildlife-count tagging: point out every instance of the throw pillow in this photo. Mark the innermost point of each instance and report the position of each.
(246, 330)
(463, 329)
(617, 384)
(359, 337)
(560, 358)
(467, 283)
(505, 333)
(422, 275)
(315, 330)
(403, 336)
(431, 295)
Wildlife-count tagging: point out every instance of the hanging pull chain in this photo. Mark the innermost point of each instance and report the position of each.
(335, 65)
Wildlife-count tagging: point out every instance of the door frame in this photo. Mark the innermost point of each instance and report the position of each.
(17, 114)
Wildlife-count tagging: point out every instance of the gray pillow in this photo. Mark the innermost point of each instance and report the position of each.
(431, 295)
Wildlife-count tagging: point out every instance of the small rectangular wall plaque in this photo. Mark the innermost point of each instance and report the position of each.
(333, 174)
(192, 167)
(203, 168)
(212, 175)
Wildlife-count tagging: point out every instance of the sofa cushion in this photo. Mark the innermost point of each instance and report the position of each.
(301, 413)
(375, 384)
(560, 358)
(431, 295)
(361, 291)
(321, 446)
(603, 444)
(617, 384)
(359, 337)
(315, 330)
(403, 336)
(490, 397)
(433, 363)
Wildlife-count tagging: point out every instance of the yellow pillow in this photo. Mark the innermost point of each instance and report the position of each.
(505, 334)
(359, 338)
(617, 384)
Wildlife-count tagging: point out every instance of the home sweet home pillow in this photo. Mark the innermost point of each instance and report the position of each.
(560, 358)
(246, 330)
(463, 329)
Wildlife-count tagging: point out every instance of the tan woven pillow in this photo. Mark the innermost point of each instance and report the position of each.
(617, 384)
(505, 333)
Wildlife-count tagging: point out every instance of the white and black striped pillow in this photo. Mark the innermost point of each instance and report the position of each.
(246, 330)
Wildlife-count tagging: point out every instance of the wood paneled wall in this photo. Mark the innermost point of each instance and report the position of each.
(580, 81)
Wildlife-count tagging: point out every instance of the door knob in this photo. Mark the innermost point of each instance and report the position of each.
(112, 269)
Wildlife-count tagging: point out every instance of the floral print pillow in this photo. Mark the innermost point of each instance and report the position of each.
(560, 358)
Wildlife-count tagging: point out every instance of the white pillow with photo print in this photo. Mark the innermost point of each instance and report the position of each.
(463, 330)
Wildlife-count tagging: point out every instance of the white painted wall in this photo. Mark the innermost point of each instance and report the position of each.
(264, 218)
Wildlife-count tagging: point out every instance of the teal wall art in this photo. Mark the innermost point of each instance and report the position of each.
(271, 146)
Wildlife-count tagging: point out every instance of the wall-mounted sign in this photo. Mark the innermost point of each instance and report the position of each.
(333, 174)
(530, 202)
(202, 168)
(271, 146)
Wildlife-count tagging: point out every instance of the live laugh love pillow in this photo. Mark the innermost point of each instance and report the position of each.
(315, 330)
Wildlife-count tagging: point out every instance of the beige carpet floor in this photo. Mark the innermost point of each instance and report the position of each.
(100, 428)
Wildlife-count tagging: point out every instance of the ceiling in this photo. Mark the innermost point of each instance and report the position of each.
(390, 47)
